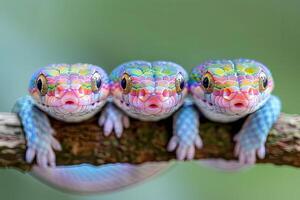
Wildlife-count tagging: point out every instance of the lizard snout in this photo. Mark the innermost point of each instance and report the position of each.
(69, 101)
(239, 103)
(153, 105)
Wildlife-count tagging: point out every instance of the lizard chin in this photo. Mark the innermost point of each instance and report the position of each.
(70, 112)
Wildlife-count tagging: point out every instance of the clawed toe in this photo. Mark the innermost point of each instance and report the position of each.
(249, 157)
(43, 151)
(172, 143)
(184, 151)
(113, 120)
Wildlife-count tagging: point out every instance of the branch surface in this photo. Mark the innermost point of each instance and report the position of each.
(144, 142)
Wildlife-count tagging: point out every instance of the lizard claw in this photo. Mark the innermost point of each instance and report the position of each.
(42, 150)
(248, 156)
(184, 150)
(113, 119)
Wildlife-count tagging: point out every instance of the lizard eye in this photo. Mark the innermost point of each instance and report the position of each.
(207, 82)
(126, 83)
(179, 83)
(41, 84)
(96, 82)
(263, 81)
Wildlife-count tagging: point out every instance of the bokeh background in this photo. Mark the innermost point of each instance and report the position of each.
(35, 33)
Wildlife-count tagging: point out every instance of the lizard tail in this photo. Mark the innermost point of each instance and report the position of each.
(224, 165)
(87, 178)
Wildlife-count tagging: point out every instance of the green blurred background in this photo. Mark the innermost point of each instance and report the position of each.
(109, 32)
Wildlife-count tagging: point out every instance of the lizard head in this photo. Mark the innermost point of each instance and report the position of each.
(231, 87)
(149, 90)
(70, 92)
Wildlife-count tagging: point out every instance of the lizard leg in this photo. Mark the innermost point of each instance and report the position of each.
(38, 133)
(112, 118)
(250, 141)
(185, 132)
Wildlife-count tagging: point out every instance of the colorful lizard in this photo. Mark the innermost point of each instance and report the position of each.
(71, 93)
(151, 91)
(228, 90)
(223, 90)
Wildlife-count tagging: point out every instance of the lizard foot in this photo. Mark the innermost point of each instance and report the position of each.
(248, 156)
(184, 150)
(113, 119)
(42, 149)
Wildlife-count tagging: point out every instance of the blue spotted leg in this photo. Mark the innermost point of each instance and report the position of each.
(252, 137)
(185, 132)
(38, 133)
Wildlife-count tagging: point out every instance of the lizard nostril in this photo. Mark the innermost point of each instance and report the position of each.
(228, 93)
(142, 92)
(165, 93)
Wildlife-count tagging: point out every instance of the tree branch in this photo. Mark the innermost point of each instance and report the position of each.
(144, 142)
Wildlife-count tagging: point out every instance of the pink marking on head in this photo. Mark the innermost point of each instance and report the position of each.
(236, 90)
(69, 94)
(153, 93)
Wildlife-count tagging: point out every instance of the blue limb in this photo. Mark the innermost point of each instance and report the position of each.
(113, 119)
(38, 132)
(185, 132)
(252, 137)
(77, 178)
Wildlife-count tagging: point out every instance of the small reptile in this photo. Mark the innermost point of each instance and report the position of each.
(228, 90)
(223, 90)
(151, 91)
(70, 93)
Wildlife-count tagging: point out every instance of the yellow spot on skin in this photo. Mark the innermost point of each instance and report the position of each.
(136, 72)
(148, 73)
(219, 72)
(251, 70)
(240, 68)
(63, 70)
(84, 72)
(80, 68)
(51, 72)
(245, 82)
(228, 68)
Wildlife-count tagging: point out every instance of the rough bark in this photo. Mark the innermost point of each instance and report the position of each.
(144, 142)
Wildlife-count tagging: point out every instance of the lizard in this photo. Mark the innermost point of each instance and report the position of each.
(70, 93)
(151, 91)
(229, 90)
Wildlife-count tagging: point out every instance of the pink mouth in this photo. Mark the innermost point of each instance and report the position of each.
(69, 103)
(153, 105)
(239, 106)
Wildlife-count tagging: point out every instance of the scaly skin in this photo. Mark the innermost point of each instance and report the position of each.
(71, 93)
(149, 91)
(65, 92)
(228, 90)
